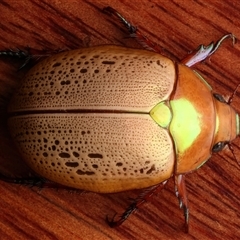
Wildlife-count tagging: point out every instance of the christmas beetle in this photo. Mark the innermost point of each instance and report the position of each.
(109, 119)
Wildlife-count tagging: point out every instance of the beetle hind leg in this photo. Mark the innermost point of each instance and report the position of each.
(181, 193)
(203, 52)
(28, 54)
(134, 32)
(144, 197)
(34, 182)
(31, 181)
(14, 53)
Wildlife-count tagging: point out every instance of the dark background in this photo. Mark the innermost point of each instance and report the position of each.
(178, 26)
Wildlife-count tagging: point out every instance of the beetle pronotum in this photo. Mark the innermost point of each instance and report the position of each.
(109, 119)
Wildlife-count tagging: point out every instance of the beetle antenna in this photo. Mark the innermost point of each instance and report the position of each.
(233, 94)
(232, 150)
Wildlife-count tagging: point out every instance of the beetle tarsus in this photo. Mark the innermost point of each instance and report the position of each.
(186, 216)
(203, 52)
(135, 33)
(20, 54)
(112, 223)
(221, 40)
(14, 53)
(145, 196)
(33, 181)
(109, 10)
(28, 54)
(181, 193)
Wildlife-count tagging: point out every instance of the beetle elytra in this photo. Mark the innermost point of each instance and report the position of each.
(109, 119)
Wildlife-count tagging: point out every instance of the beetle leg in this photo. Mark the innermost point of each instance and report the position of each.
(28, 54)
(21, 54)
(32, 181)
(145, 196)
(181, 193)
(36, 182)
(135, 33)
(203, 52)
(14, 53)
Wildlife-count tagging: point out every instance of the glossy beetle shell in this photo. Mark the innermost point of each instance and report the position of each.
(93, 119)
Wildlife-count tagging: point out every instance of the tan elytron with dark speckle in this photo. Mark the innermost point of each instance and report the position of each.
(106, 77)
(82, 118)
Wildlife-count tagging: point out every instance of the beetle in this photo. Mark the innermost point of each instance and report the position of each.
(109, 119)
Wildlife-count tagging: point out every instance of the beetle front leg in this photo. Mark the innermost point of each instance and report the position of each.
(203, 52)
(181, 193)
(144, 197)
(135, 33)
